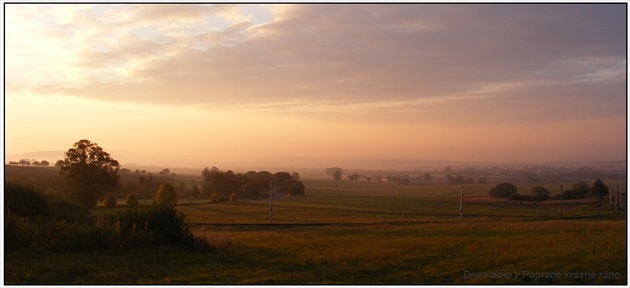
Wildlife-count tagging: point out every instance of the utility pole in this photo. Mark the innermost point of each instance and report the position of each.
(461, 202)
(270, 201)
(561, 202)
(610, 198)
(617, 195)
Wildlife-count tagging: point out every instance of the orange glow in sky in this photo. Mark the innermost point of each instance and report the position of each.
(217, 84)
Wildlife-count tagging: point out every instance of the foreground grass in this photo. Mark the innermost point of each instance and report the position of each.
(445, 252)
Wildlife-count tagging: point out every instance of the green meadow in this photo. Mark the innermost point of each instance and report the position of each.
(344, 232)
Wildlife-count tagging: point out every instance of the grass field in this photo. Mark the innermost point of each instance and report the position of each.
(372, 202)
(364, 233)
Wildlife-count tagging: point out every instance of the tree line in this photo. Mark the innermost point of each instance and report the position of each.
(578, 190)
(222, 186)
(30, 162)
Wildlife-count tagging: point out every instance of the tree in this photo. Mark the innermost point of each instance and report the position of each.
(281, 181)
(59, 163)
(331, 170)
(503, 190)
(582, 188)
(110, 200)
(165, 172)
(25, 162)
(166, 196)
(132, 201)
(195, 192)
(427, 177)
(90, 172)
(337, 175)
(599, 190)
(296, 176)
(296, 188)
(540, 193)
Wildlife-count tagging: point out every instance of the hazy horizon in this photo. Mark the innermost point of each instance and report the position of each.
(290, 85)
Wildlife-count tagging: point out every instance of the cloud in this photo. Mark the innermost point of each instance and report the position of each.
(328, 59)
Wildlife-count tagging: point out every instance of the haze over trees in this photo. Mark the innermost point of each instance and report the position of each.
(335, 172)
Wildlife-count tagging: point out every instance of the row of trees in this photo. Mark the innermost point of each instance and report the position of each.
(542, 173)
(90, 173)
(31, 162)
(251, 185)
(578, 191)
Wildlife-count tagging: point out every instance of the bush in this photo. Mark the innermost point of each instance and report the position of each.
(110, 201)
(214, 198)
(25, 201)
(132, 201)
(519, 197)
(77, 237)
(166, 195)
(234, 197)
(65, 210)
(572, 194)
(503, 190)
(18, 232)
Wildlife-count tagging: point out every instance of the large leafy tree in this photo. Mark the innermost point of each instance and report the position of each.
(90, 173)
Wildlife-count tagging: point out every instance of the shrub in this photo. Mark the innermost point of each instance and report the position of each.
(110, 201)
(149, 226)
(572, 194)
(214, 198)
(77, 237)
(166, 195)
(17, 231)
(132, 201)
(24, 201)
(519, 197)
(234, 197)
(65, 210)
(168, 224)
(503, 190)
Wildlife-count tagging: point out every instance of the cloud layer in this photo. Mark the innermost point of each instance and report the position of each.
(384, 56)
(478, 70)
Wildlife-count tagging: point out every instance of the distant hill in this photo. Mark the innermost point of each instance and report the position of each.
(50, 156)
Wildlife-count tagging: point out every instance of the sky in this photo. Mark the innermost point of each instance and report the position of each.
(303, 85)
